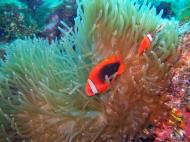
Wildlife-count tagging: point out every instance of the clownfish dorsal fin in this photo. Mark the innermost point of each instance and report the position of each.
(92, 86)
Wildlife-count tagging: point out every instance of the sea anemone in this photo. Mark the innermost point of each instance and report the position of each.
(42, 86)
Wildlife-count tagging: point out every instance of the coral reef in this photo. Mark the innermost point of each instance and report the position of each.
(26, 18)
(179, 99)
(42, 86)
(14, 24)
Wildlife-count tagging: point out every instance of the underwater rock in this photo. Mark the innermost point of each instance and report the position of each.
(14, 24)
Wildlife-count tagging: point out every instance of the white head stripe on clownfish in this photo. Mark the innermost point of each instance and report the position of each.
(149, 37)
(92, 86)
(145, 43)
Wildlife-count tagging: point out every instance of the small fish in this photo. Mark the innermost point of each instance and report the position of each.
(103, 73)
(177, 114)
(145, 43)
(148, 39)
(178, 117)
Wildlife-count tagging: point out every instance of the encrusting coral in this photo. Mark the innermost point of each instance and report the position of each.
(42, 86)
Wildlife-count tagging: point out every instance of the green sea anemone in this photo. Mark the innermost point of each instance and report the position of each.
(42, 86)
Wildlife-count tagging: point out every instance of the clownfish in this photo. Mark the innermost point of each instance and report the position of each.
(107, 69)
(147, 40)
(145, 43)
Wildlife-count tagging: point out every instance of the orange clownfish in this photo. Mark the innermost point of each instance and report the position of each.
(147, 40)
(145, 43)
(109, 68)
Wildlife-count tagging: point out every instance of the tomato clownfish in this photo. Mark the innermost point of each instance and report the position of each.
(145, 43)
(147, 40)
(109, 68)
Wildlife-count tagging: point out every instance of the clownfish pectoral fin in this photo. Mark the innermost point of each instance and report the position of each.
(108, 79)
(111, 78)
